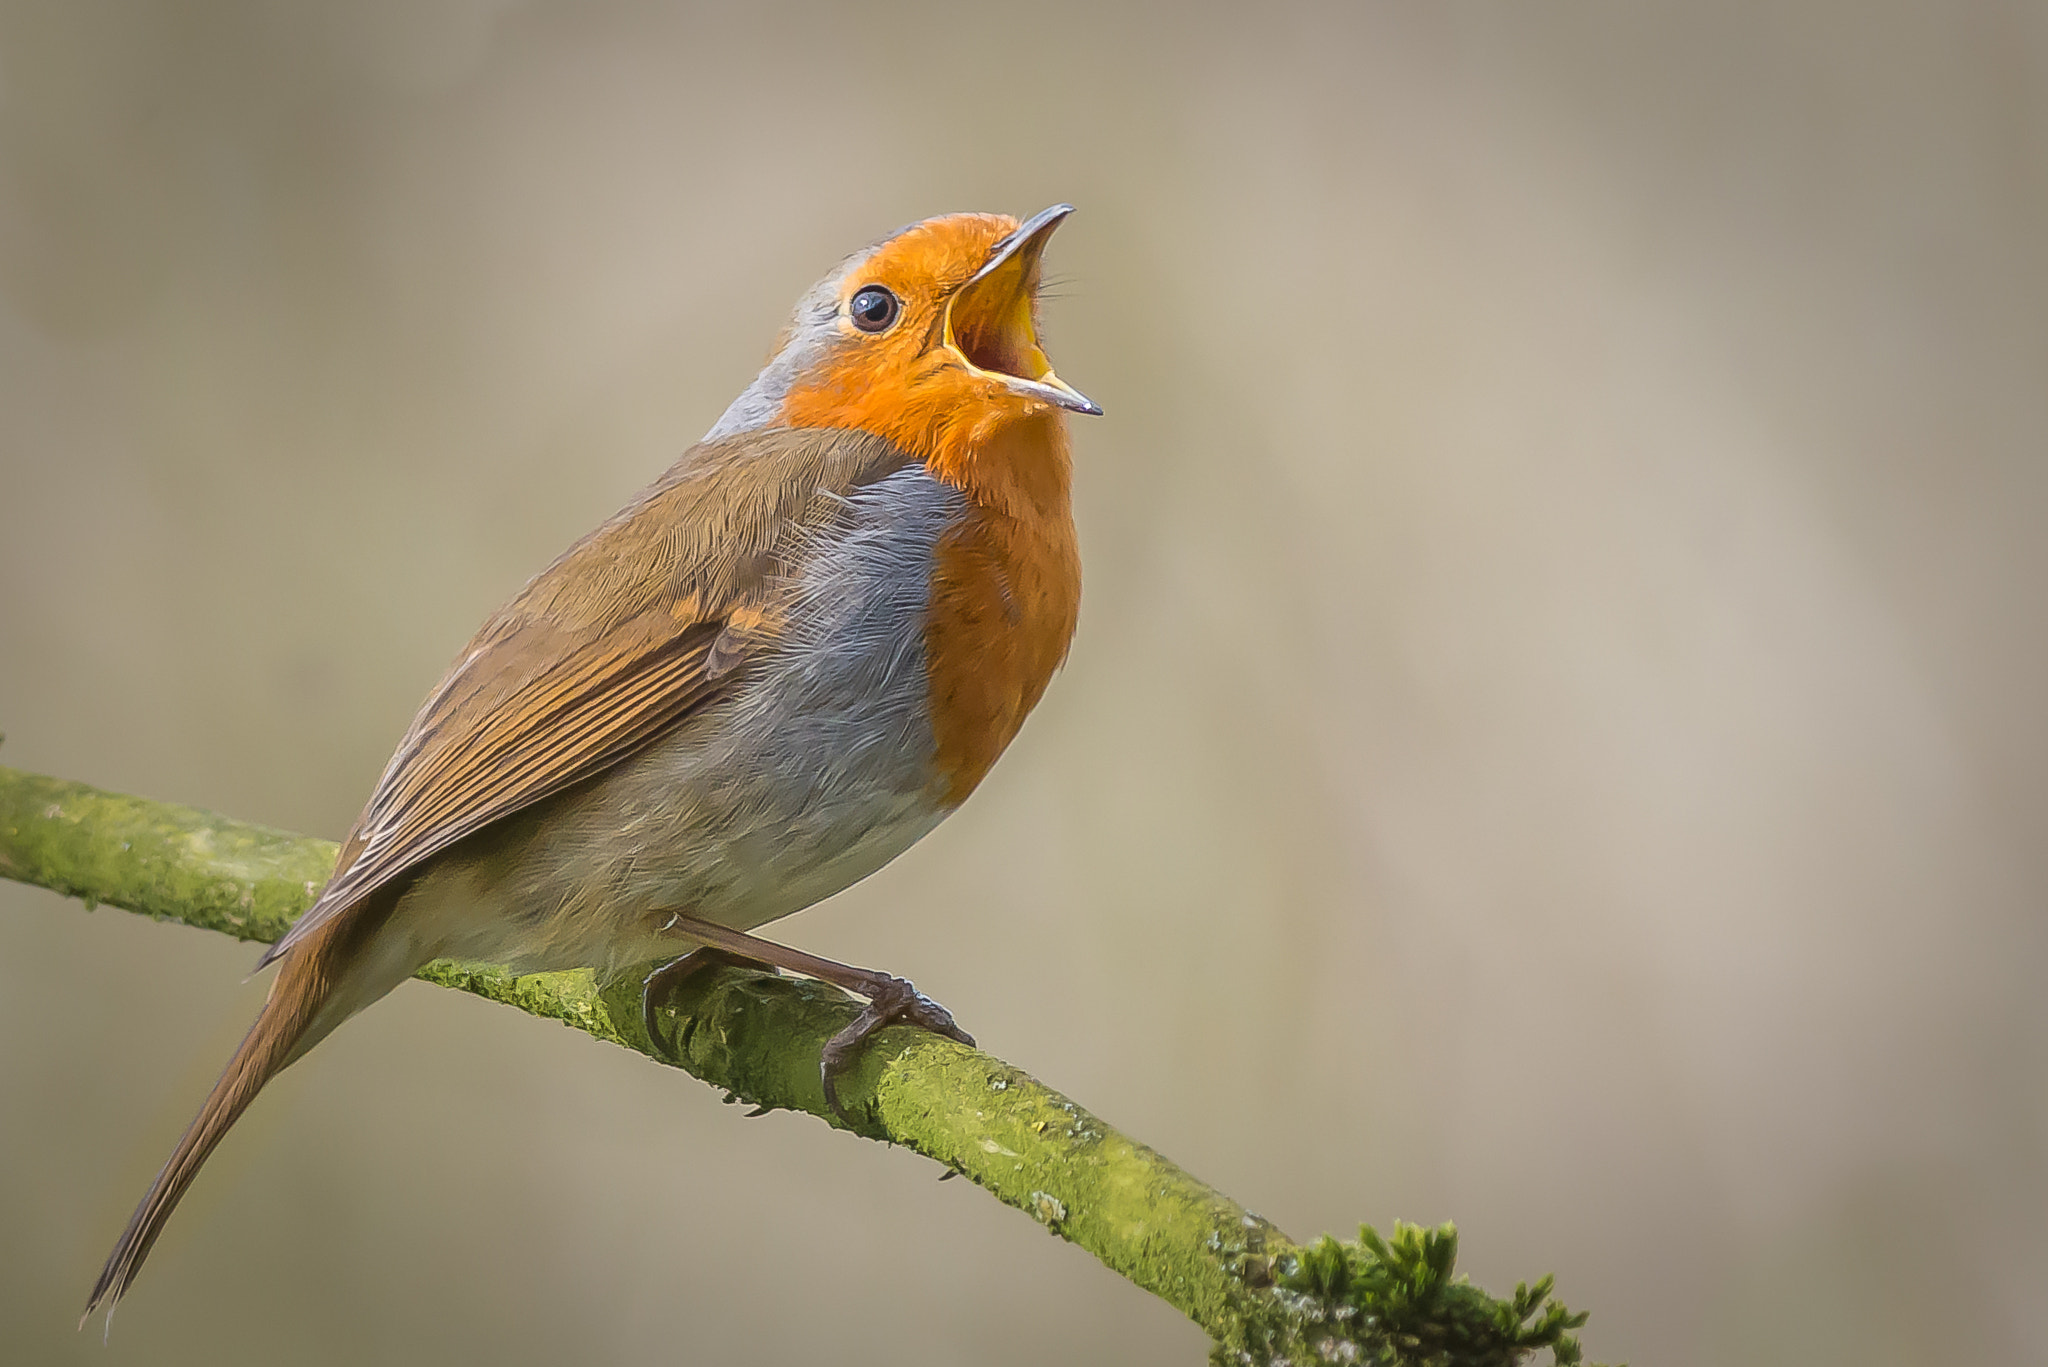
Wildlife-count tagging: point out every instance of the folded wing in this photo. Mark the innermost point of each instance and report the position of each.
(634, 629)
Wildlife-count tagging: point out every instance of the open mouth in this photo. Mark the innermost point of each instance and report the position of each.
(989, 324)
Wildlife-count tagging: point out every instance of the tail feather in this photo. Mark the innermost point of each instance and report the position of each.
(320, 985)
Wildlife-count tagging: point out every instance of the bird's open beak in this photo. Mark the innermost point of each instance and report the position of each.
(989, 324)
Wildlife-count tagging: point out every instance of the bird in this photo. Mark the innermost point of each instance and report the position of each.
(777, 667)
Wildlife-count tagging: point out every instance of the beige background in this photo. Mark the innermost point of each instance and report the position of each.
(1555, 739)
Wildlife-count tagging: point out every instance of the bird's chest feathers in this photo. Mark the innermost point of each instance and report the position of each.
(1006, 590)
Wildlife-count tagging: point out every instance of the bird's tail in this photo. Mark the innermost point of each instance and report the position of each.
(322, 982)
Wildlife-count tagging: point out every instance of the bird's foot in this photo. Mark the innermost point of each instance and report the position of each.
(660, 985)
(891, 1001)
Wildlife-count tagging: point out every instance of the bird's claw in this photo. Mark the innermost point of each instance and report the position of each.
(893, 1001)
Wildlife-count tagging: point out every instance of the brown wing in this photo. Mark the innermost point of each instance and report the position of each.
(637, 626)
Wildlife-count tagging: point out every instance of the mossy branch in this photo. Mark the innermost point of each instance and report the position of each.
(1261, 1297)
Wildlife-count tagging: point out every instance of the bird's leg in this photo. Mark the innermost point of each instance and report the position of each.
(890, 999)
(657, 987)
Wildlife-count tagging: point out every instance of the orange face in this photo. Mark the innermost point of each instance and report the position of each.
(933, 339)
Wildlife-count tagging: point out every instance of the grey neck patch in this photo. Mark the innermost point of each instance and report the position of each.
(760, 401)
(813, 332)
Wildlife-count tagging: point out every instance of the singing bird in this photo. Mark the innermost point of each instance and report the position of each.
(780, 665)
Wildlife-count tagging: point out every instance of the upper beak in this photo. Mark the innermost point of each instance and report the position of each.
(989, 323)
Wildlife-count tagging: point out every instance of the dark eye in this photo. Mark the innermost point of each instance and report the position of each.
(873, 309)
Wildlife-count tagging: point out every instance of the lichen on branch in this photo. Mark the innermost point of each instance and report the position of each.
(1262, 1298)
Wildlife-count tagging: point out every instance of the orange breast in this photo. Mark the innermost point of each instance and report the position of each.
(1006, 590)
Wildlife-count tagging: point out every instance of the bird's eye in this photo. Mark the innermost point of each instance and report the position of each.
(873, 309)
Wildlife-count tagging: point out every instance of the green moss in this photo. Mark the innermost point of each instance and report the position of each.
(168, 862)
(573, 998)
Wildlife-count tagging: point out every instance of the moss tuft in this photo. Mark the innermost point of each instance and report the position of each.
(1396, 1303)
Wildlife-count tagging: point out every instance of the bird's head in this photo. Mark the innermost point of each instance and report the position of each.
(928, 338)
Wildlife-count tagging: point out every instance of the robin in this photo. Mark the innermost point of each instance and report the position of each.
(774, 670)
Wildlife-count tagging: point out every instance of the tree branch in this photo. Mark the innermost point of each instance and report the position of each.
(1260, 1296)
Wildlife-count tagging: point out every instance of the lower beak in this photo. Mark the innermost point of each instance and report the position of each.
(989, 323)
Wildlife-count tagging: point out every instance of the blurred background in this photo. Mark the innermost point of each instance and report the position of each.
(1555, 739)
